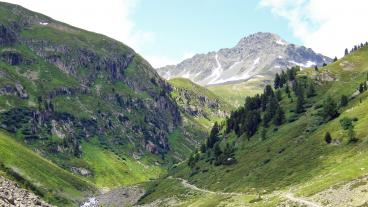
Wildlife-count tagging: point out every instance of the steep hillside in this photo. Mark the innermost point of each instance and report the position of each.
(86, 102)
(312, 154)
(40, 175)
(258, 55)
(199, 102)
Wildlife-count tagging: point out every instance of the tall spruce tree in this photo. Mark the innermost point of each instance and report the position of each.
(277, 81)
(346, 51)
(311, 90)
(279, 117)
(344, 101)
(300, 104)
(214, 136)
(287, 90)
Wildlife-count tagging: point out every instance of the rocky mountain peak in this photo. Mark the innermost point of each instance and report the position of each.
(260, 54)
(261, 38)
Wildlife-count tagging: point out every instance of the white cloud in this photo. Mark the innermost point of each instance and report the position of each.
(108, 17)
(160, 61)
(327, 26)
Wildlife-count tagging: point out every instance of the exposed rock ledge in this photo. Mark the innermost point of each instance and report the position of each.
(12, 195)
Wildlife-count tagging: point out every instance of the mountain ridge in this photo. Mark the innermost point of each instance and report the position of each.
(259, 54)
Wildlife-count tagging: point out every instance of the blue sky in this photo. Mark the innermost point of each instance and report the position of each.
(167, 31)
(184, 27)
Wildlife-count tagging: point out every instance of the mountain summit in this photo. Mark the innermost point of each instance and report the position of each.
(260, 54)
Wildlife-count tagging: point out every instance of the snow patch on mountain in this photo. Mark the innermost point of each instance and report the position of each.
(216, 74)
(281, 42)
(256, 61)
(308, 64)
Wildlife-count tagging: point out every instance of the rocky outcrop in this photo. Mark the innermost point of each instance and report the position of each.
(127, 196)
(12, 57)
(16, 90)
(81, 171)
(70, 59)
(11, 195)
(21, 91)
(198, 101)
(199, 105)
(7, 36)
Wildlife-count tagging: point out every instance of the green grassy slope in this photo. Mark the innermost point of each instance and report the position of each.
(295, 156)
(111, 171)
(234, 93)
(55, 184)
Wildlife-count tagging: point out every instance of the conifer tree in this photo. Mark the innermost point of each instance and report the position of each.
(277, 81)
(278, 95)
(251, 123)
(287, 90)
(214, 136)
(330, 109)
(311, 90)
(267, 117)
(279, 117)
(268, 91)
(300, 104)
(284, 78)
(328, 138)
(344, 101)
(346, 51)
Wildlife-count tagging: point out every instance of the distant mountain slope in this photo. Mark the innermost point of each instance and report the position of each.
(199, 102)
(260, 54)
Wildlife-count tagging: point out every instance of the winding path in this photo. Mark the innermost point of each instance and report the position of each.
(288, 196)
(186, 184)
(301, 201)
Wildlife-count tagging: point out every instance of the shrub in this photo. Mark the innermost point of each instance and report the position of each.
(328, 138)
(346, 123)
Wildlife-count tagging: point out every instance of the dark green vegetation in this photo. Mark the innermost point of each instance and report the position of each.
(317, 140)
(85, 102)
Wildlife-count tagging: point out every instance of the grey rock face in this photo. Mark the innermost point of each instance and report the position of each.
(12, 195)
(7, 36)
(260, 54)
(81, 171)
(17, 90)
